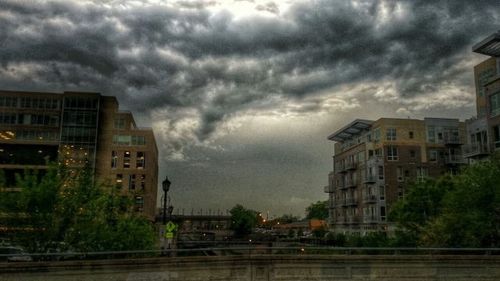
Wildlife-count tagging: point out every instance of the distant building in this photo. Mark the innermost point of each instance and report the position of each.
(483, 131)
(374, 161)
(75, 128)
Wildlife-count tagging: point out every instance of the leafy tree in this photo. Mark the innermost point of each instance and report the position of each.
(422, 203)
(471, 211)
(67, 206)
(243, 220)
(318, 210)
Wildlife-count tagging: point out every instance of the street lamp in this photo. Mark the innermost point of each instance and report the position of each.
(165, 186)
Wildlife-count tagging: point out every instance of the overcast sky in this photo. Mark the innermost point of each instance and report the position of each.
(242, 94)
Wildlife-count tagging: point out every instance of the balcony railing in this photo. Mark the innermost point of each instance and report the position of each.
(370, 179)
(350, 183)
(370, 219)
(452, 140)
(351, 165)
(353, 219)
(455, 159)
(351, 202)
(477, 149)
(370, 199)
(329, 189)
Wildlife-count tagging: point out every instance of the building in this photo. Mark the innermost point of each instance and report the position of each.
(77, 128)
(483, 131)
(374, 161)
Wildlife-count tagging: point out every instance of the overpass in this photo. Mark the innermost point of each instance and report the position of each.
(266, 267)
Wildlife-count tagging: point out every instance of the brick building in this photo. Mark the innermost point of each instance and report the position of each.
(375, 160)
(75, 128)
(483, 131)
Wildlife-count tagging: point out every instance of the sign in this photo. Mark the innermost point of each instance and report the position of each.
(170, 228)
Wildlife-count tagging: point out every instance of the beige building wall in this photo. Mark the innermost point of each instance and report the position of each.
(127, 157)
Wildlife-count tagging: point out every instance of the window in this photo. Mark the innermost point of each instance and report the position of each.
(143, 182)
(376, 135)
(399, 171)
(119, 180)
(381, 172)
(392, 153)
(431, 134)
(131, 182)
(495, 104)
(120, 123)
(382, 192)
(140, 160)
(422, 173)
(410, 134)
(401, 192)
(496, 136)
(391, 134)
(433, 155)
(114, 159)
(412, 154)
(126, 159)
(139, 202)
(382, 213)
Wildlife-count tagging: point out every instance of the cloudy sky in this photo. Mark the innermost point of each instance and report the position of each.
(242, 93)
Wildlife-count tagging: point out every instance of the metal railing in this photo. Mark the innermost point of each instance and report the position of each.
(254, 249)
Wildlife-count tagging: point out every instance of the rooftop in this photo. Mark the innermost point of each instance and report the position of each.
(351, 129)
(490, 46)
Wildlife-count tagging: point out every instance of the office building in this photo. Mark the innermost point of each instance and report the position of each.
(483, 131)
(374, 161)
(77, 128)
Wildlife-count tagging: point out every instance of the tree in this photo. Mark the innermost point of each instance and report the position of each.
(67, 206)
(318, 210)
(422, 203)
(242, 220)
(471, 211)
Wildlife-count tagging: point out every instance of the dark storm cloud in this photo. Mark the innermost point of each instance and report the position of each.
(184, 56)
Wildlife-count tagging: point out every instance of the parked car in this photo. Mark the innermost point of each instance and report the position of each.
(13, 254)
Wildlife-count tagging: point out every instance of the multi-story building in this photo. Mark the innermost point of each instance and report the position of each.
(76, 129)
(483, 131)
(375, 160)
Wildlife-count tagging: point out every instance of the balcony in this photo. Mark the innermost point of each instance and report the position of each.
(474, 150)
(370, 219)
(451, 140)
(341, 220)
(329, 189)
(351, 166)
(353, 219)
(370, 199)
(370, 179)
(454, 160)
(332, 204)
(351, 202)
(350, 183)
(343, 185)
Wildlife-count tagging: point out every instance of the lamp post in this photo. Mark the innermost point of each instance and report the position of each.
(165, 186)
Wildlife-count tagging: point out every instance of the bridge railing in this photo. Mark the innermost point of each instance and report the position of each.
(249, 251)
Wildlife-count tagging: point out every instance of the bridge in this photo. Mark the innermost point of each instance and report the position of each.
(251, 264)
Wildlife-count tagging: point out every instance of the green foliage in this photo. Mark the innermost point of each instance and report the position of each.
(69, 207)
(471, 211)
(287, 218)
(243, 220)
(458, 211)
(318, 210)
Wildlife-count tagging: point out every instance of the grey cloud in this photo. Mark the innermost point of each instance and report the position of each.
(310, 48)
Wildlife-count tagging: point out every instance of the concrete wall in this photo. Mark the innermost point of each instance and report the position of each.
(265, 268)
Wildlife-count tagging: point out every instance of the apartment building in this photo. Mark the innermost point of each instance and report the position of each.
(77, 128)
(483, 131)
(374, 161)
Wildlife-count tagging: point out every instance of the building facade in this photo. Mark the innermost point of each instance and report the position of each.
(76, 129)
(483, 131)
(374, 161)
